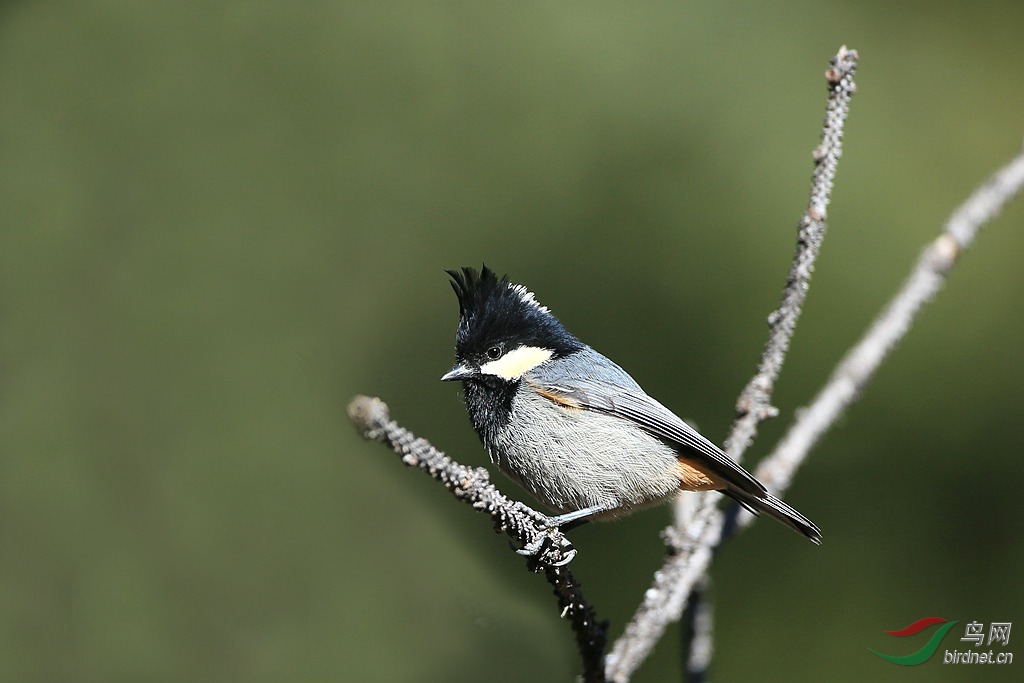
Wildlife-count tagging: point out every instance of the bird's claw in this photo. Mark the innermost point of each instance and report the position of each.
(568, 554)
(534, 546)
(545, 548)
(549, 546)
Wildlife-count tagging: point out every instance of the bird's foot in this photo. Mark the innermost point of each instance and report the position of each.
(550, 547)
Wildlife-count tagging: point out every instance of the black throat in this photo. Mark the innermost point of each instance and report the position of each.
(489, 404)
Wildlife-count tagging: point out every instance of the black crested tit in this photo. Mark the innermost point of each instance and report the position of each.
(573, 427)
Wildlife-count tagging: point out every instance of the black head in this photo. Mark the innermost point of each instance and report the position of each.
(503, 330)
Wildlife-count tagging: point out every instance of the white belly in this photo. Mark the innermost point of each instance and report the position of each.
(571, 459)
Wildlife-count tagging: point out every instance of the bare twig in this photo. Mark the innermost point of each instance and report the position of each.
(523, 524)
(690, 555)
(860, 363)
(701, 523)
(754, 403)
(690, 558)
(698, 635)
(700, 526)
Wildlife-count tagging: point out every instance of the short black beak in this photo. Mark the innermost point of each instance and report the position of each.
(458, 372)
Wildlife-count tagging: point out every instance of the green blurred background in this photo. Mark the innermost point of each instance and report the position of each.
(221, 220)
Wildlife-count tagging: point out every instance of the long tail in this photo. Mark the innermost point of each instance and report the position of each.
(776, 509)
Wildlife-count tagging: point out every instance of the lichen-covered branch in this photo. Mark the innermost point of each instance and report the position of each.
(701, 523)
(848, 380)
(551, 550)
(859, 364)
(689, 557)
(700, 527)
(698, 632)
(754, 403)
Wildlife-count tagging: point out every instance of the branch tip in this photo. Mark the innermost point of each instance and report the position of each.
(860, 363)
(368, 415)
(547, 549)
(699, 527)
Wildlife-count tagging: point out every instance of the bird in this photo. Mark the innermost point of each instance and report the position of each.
(572, 427)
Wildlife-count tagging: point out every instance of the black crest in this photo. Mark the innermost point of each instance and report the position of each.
(493, 310)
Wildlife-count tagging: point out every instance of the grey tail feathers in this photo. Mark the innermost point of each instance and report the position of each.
(775, 508)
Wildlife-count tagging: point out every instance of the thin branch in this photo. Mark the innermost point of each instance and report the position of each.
(523, 524)
(698, 642)
(689, 557)
(754, 403)
(699, 529)
(702, 523)
(857, 368)
(853, 372)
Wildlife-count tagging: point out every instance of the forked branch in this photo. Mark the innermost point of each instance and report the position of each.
(551, 550)
(699, 528)
(698, 520)
(859, 364)
(754, 403)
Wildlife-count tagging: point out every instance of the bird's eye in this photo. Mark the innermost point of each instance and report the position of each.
(494, 353)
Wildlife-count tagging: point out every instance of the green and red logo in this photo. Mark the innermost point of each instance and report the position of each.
(927, 650)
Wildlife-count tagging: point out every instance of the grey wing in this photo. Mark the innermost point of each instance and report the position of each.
(631, 403)
(589, 381)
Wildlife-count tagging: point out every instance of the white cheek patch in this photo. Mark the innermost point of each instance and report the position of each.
(516, 362)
